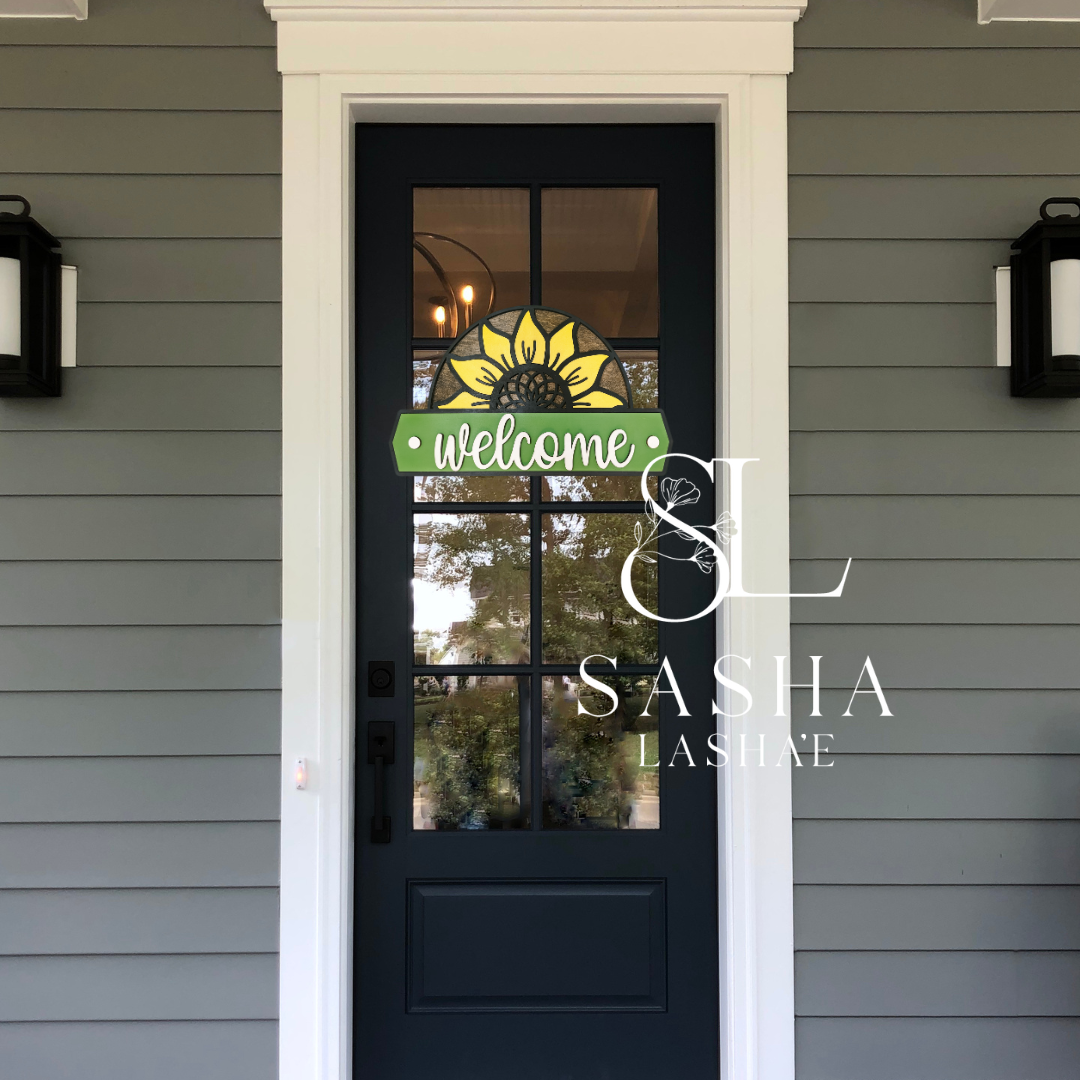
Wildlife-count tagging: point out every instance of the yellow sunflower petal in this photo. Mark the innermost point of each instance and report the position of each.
(581, 372)
(598, 399)
(530, 345)
(465, 400)
(496, 347)
(561, 345)
(480, 376)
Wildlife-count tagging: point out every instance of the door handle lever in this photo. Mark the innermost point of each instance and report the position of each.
(380, 753)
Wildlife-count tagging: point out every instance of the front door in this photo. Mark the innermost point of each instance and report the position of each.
(536, 897)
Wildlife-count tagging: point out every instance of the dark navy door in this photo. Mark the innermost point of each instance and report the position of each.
(536, 897)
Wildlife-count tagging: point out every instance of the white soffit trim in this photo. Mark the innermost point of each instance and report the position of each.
(1029, 11)
(536, 10)
(43, 9)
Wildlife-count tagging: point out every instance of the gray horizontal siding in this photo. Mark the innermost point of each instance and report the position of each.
(924, 24)
(935, 80)
(179, 335)
(140, 723)
(140, 658)
(79, 207)
(923, 786)
(139, 547)
(956, 657)
(937, 984)
(155, 22)
(929, 399)
(140, 463)
(891, 335)
(156, 399)
(55, 77)
(88, 922)
(909, 207)
(75, 527)
(898, 852)
(953, 1048)
(222, 987)
(139, 593)
(935, 527)
(139, 789)
(944, 918)
(893, 271)
(175, 271)
(219, 1050)
(942, 721)
(923, 591)
(934, 144)
(934, 463)
(116, 143)
(135, 855)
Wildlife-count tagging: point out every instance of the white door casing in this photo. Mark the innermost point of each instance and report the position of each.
(346, 61)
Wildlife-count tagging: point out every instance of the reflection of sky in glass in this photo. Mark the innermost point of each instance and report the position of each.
(437, 607)
(470, 588)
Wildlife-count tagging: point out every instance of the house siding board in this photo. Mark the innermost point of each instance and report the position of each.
(217, 1050)
(180, 335)
(891, 335)
(116, 143)
(936, 861)
(154, 855)
(951, 1048)
(147, 527)
(139, 554)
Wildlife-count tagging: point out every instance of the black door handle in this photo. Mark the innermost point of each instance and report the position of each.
(380, 753)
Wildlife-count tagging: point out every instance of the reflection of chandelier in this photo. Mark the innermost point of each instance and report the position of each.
(448, 307)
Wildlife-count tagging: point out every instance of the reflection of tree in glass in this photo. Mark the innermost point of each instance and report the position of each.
(466, 489)
(490, 554)
(466, 743)
(585, 611)
(592, 773)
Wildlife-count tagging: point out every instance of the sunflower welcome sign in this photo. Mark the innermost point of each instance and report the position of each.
(530, 390)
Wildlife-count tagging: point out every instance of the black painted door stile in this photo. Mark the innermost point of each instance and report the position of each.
(536, 897)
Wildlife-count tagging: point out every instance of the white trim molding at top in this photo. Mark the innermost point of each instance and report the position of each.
(1029, 11)
(536, 10)
(339, 74)
(43, 9)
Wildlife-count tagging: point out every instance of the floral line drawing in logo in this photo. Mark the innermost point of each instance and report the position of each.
(678, 491)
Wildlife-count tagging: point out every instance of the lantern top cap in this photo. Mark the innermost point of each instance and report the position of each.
(1067, 201)
(19, 199)
(21, 223)
(1061, 226)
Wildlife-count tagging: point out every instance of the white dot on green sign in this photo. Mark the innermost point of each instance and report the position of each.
(653, 442)
(414, 442)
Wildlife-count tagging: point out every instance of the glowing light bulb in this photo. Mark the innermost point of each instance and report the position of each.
(440, 319)
(467, 297)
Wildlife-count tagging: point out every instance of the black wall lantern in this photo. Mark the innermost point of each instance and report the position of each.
(29, 305)
(1045, 273)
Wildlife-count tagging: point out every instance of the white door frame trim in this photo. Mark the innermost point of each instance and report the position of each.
(320, 111)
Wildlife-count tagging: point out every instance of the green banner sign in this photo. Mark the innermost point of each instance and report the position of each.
(451, 441)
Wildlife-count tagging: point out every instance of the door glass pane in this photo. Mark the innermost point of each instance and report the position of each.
(593, 776)
(584, 610)
(600, 257)
(467, 238)
(466, 756)
(470, 589)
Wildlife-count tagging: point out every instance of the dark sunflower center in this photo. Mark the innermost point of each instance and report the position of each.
(531, 389)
